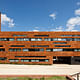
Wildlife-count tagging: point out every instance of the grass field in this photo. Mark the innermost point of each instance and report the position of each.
(43, 78)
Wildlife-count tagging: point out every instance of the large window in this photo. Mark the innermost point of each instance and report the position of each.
(1, 45)
(47, 39)
(14, 49)
(11, 39)
(69, 35)
(62, 49)
(76, 39)
(25, 49)
(39, 45)
(58, 39)
(49, 49)
(17, 46)
(40, 39)
(6, 39)
(37, 49)
(3, 58)
(3, 39)
(62, 39)
(36, 39)
(57, 49)
(34, 60)
(22, 39)
(68, 49)
(2, 49)
(24, 60)
(55, 39)
(41, 35)
(76, 49)
(30, 56)
(19, 35)
(13, 60)
(62, 45)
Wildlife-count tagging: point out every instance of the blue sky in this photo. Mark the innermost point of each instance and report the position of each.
(40, 15)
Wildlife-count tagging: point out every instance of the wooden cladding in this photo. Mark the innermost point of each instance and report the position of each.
(37, 47)
(41, 35)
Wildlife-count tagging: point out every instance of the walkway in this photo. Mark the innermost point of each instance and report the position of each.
(56, 69)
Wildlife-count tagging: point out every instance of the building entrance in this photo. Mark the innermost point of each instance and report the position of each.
(61, 60)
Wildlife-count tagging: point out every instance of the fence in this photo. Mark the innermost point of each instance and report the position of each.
(76, 75)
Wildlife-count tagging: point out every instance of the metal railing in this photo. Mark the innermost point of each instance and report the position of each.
(76, 75)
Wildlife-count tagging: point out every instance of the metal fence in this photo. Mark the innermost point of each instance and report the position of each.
(76, 75)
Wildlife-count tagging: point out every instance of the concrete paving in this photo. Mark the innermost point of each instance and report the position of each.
(55, 69)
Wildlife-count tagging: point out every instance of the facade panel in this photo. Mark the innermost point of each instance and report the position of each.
(38, 47)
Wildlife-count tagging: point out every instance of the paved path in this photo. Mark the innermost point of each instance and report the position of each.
(55, 69)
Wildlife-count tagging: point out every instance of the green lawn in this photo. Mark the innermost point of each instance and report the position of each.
(27, 78)
(56, 78)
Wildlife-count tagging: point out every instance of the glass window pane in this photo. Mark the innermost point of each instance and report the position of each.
(46, 60)
(33, 60)
(42, 49)
(37, 60)
(25, 49)
(47, 39)
(57, 49)
(48, 49)
(11, 39)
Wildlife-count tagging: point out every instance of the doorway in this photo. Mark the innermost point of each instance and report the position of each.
(61, 60)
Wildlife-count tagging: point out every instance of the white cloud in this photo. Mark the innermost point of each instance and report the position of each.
(60, 28)
(36, 30)
(53, 16)
(7, 20)
(78, 3)
(77, 12)
(72, 23)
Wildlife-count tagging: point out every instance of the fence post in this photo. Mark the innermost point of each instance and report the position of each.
(77, 76)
